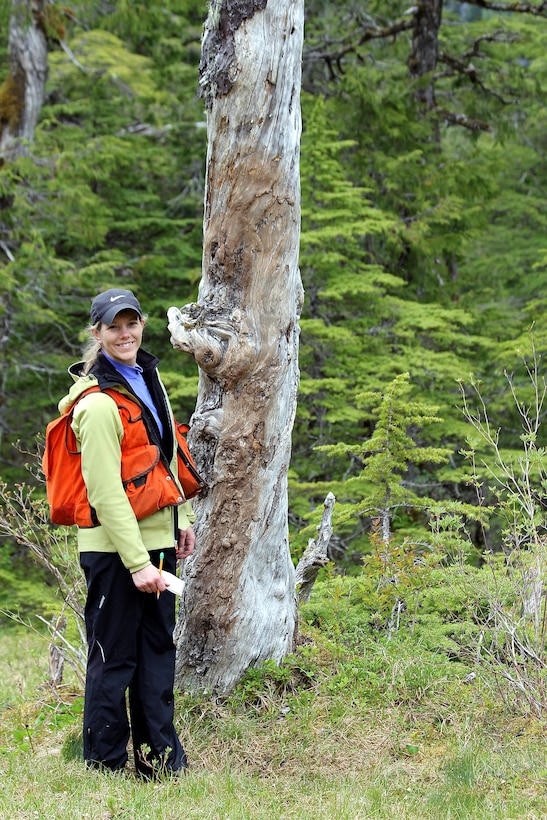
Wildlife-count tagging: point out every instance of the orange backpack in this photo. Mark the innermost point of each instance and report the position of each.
(147, 482)
(190, 479)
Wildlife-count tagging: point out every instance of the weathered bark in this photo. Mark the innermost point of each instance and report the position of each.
(239, 606)
(316, 553)
(425, 47)
(22, 92)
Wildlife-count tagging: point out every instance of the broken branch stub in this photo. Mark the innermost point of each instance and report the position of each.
(316, 554)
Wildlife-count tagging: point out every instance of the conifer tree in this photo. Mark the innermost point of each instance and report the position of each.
(381, 488)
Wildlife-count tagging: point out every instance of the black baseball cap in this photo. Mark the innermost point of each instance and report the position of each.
(106, 306)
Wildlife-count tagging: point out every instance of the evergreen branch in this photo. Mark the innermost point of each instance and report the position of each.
(461, 119)
(465, 67)
(498, 36)
(524, 8)
(331, 55)
(378, 33)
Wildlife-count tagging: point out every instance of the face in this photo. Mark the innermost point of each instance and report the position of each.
(122, 339)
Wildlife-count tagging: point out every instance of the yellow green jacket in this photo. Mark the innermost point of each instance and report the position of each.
(99, 430)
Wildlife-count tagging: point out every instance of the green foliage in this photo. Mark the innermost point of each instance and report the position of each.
(385, 471)
(513, 476)
(53, 717)
(24, 520)
(361, 326)
(23, 590)
(491, 612)
(422, 244)
(111, 194)
(263, 685)
(410, 258)
(448, 611)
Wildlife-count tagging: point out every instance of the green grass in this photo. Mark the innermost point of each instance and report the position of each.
(386, 732)
(23, 665)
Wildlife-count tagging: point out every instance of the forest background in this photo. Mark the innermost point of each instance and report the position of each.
(423, 258)
(424, 236)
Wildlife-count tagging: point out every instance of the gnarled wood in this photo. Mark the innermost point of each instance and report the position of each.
(23, 90)
(239, 606)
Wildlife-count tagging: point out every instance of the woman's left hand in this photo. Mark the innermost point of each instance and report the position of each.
(185, 546)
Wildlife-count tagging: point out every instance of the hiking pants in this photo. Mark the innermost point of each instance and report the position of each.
(130, 648)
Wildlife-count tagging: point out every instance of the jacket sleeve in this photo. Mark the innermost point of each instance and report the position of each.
(98, 428)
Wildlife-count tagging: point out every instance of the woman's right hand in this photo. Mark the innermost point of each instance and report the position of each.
(149, 580)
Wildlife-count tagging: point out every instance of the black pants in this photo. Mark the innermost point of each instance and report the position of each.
(130, 647)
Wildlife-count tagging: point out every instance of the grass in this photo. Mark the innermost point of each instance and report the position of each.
(23, 665)
(385, 732)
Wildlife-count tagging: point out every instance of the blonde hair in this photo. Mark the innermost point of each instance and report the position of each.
(91, 348)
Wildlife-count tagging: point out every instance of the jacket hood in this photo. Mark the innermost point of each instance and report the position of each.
(81, 384)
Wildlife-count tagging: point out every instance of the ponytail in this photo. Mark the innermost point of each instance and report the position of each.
(91, 349)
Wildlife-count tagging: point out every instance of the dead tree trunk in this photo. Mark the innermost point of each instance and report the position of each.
(240, 605)
(21, 98)
(22, 92)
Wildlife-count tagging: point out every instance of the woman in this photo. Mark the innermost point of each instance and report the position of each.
(129, 622)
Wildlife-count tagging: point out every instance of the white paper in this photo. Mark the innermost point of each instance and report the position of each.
(176, 585)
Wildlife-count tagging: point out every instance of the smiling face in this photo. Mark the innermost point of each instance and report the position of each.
(121, 339)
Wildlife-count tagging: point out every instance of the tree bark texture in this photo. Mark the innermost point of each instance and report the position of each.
(22, 93)
(239, 606)
(425, 47)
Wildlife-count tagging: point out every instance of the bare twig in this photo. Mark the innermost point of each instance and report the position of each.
(72, 57)
(7, 251)
(514, 640)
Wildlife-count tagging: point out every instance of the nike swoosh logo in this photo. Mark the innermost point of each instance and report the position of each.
(113, 298)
